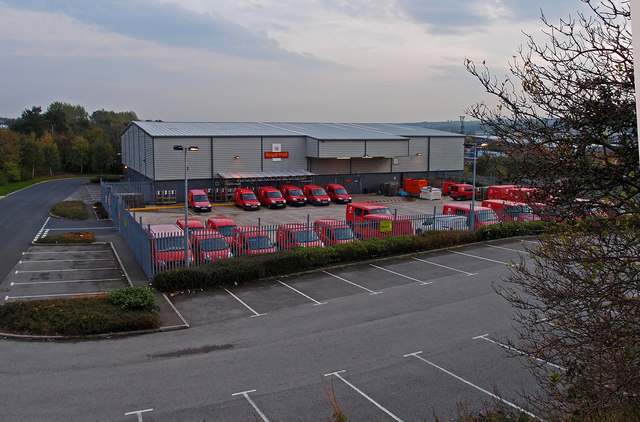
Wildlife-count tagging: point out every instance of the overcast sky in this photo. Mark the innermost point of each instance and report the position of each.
(260, 60)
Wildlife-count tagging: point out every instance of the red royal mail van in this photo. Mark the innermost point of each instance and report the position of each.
(209, 245)
(382, 225)
(167, 243)
(194, 224)
(293, 195)
(198, 200)
(223, 225)
(246, 199)
(250, 240)
(271, 197)
(338, 194)
(499, 191)
(333, 232)
(483, 216)
(509, 210)
(315, 195)
(297, 235)
(460, 191)
(357, 210)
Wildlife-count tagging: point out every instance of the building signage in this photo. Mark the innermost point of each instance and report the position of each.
(268, 155)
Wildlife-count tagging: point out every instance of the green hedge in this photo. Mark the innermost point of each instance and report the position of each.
(136, 297)
(73, 317)
(249, 268)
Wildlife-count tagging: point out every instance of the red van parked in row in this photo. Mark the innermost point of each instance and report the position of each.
(194, 224)
(250, 240)
(224, 225)
(246, 199)
(499, 191)
(333, 232)
(209, 245)
(293, 195)
(167, 244)
(338, 194)
(382, 225)
(483, 216)
(297, 235)
(315, 195)
(509, 210)
(271, 197)
(198, 200)
(460, 191)
(357, 210)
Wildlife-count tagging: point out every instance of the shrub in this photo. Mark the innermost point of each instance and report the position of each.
(73, 317)
(499, 231)
(70, 209)
(137, 297)
(72, 237)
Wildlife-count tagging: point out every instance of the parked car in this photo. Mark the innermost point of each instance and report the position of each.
(271, 197)
(250, 240)
(337, 193)
(333, 232)
(297, 235)
(482, 216)
(223, 225)
(194, 224)
(168, 244)
(246, 199)
(443, 222)
(198, 200)
(510, 210)
(461, 191)
(357, 210)
(382, 225)
(315, 195)
(293, 195)
(209, 245)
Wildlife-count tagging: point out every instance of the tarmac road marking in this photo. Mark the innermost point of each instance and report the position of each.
(245, 305)
(60, 271)
(444, 266)
(41, 231)
(513, 349)
(422, 283)
(252, 403)
(65, 260)
(56, 295)
(363, 394)
(479, 257)
(371, 292)
(65, 252)
(138, 413)
(316, 303)
(17, 283)
(417, 356)
(506, 249)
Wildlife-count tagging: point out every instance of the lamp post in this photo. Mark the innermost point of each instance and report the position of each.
(186, 203)
(472, 217)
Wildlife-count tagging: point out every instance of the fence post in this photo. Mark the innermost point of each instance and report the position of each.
(395, 221)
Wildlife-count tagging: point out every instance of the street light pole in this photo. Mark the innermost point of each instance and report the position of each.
(472, 217)
(186, 202)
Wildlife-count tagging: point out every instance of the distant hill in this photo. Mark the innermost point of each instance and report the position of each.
(470, 128)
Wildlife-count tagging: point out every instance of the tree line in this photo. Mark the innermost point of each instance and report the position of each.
(64, 138)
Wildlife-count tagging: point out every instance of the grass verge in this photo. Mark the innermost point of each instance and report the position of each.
(73, 317)
(72, 237)
(74, 210)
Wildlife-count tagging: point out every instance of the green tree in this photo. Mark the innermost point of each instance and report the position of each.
(101, 155)
(51, 158)
(113, 124)
(31, 121)
(10, 146)
(32, 155)
(568, 110)
(80, 152)
(67, 118)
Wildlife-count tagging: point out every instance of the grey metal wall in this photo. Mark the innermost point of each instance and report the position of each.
(329, 166)
(387, 148)
(371, 165)
(226, 149)
(333, 149)
(414, 162)
(296, 148)
(446, 154)
(137, 151)
(169, 164)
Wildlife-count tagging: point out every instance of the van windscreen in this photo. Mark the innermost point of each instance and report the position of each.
(380, 211)
(275, 194)
(261, 242)
(216, 244)
(319, 192)
(306, 236)
(167, 244)
(226, 230)
(249, 197)
(341, 191)
(295, 192)
(200, 198)
(343, 233)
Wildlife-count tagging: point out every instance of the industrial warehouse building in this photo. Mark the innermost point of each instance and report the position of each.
(230, 155)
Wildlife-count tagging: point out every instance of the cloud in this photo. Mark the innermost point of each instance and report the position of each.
(166, 23)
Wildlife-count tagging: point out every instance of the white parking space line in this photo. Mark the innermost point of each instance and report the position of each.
(507, 249)
(422, 283)
(479, 257)
(63, 260)
(62, 271)
(252, 403)
(371, 292)
(138, 413)
(56, 295)
(316, 303)
(444, 266)
(66, 252)
(417, 356)
(357, 390)
(18, 283)
(41, 231)
(66, 229)
(255, 314)
(507, 347)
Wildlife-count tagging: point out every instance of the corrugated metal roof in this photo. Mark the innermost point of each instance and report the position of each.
(321, 131)
(280, 174)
